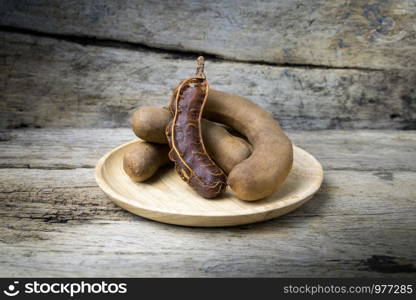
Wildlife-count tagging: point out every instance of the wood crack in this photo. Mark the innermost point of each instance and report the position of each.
(28, 166)
(86, 40)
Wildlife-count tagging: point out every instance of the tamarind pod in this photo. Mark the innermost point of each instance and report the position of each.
(149, 123)
(273, 159)
(192, 162)
(227, 150)
(264, 171)
(143, 160)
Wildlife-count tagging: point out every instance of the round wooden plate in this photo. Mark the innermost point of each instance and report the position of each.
(168, 199)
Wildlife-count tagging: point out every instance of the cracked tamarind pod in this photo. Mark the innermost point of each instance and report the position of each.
(192, 162)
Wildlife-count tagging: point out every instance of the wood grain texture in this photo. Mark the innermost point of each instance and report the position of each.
(53, 83)
(313, 64)
(81, 148)
(342, 33)
(55, 221)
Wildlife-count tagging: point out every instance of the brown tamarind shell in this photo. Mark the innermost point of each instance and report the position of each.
(192, 162)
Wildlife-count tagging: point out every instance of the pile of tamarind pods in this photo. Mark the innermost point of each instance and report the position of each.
(195, 132)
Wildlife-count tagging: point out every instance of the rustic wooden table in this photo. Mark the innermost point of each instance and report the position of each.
(55, 221)
(338, 75)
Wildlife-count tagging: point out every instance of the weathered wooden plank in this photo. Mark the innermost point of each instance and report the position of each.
(62, 195)
(62, 217)
(58, 148)
(346, 230)
(53, 83)
(57, 222)
(378, 151)
(334, 247)
(366, 34)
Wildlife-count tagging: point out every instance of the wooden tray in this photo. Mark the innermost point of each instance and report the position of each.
(166, 198)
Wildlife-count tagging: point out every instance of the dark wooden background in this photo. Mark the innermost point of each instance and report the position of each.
(313, 64)
(340, 76)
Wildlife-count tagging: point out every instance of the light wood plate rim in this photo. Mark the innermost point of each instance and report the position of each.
(206, 218)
